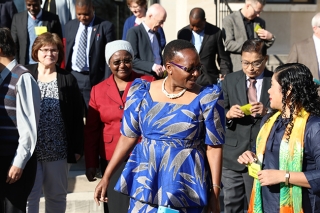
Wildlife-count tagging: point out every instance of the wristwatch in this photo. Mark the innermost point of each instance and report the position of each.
(287, 176)
(273, 38)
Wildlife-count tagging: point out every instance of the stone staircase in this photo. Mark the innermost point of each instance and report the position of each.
(275, 60)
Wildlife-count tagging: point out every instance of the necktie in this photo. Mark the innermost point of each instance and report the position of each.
(82, 50)
(252, 90)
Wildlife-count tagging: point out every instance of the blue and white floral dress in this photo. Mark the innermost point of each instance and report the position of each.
(169, 166)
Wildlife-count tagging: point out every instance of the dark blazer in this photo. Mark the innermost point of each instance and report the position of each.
(102, 130)
(130, 22)
(102, 33)
(7, 10)
(241, 133)
(143, 59)
(71, 109)
(212, 46)
(19, 31)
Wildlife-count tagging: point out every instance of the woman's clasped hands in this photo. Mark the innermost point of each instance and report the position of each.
(266, 177)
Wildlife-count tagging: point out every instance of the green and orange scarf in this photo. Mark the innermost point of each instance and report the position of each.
(290, 159)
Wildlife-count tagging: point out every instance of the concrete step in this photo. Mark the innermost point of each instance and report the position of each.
(80, 192)
(80, 202)
(275, 60)
(78, 182)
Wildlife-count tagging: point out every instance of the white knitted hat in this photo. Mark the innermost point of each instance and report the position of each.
(115, 46)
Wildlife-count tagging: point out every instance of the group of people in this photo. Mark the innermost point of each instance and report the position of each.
(162, 132)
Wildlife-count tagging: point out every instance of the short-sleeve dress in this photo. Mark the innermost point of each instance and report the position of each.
(169, 166)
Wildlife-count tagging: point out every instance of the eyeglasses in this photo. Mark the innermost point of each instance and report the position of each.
(255, 64)
(46, 51)
(256, 12)
(125, 61)
(188, 70)
(134, 7)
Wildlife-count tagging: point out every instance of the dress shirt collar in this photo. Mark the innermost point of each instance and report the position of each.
(38, 16)
(8, 69)
(258, 77)
(146, 27)
(201, 33)
(89, 25)
(245, 20)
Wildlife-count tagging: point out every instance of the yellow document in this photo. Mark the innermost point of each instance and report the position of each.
(257, 27)
(253, 169)
(246, 109)
(41, 29)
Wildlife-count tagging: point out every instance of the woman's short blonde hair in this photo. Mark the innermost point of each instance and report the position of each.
(47, 39)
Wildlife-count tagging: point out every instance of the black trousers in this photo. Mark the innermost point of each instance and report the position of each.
(84, 84)
(13, 197)
(117, 202)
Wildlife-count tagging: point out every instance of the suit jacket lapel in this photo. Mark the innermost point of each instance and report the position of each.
(205, 39)
(239, 23)
(112, 91)
(73, 31)
(241, 89)
(146, 36)
(24, 24)
(45, 21)
(94, 31)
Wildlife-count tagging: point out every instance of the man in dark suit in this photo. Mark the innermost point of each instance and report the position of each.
(145, 41)
(250, 85)
(86, 39)
(25, 28)
(7, 10)
(207, 39)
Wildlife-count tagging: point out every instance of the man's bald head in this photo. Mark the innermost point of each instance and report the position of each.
(197, 13)
(197, 19)
(155, 17)
(81, 3)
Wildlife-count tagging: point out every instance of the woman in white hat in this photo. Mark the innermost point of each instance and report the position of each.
(106, 105)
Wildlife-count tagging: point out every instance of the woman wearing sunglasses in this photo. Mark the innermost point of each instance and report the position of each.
(182, 129)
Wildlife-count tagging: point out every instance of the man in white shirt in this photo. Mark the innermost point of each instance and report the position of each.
(307, 51)
(19, 116)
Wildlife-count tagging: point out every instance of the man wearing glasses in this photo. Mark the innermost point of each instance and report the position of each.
(246, 101)
(243, 25)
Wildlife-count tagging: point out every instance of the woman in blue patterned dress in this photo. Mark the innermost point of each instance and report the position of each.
(182, 129)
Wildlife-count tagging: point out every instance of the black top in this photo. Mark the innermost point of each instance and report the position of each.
(71, 107)
(248, 24)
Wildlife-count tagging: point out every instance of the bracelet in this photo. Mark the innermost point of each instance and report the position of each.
(287, 176)
(215, 185)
